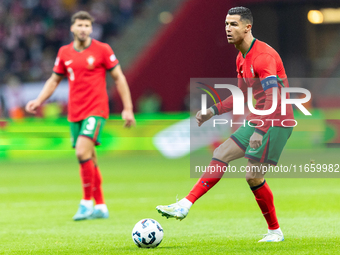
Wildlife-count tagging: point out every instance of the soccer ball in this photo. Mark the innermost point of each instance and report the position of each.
(147, 233)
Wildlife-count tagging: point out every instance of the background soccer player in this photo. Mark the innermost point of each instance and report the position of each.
(259, 66)
(85, 62)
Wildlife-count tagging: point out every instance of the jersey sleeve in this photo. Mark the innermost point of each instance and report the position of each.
(59, 66)
(265, 67)
(110, 60)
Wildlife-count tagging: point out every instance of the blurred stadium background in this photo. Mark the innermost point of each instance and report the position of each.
(160, 45)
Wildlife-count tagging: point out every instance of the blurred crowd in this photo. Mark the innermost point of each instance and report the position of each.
(31, 31)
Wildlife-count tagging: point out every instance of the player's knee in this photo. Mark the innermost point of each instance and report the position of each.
(79, 155)
(82, 153)
(223, 155)
(218, 154)
(252, 181)
(250, 177)
(215, 153)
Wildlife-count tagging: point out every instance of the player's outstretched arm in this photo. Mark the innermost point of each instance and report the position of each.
(47, 91)
(124, 93)
(200, 119)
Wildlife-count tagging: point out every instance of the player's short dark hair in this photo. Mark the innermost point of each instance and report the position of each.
(82, 15)
(244, 12)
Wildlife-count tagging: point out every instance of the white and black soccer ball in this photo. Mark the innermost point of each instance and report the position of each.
(147, 233)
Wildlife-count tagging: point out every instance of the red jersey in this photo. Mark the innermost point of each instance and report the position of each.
(86, 71)
(262, 69)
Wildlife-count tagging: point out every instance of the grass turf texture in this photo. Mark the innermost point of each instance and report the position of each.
(38, 200)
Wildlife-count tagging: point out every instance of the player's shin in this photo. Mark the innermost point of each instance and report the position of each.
(87, 174)
(265, 200)
(207, 180)
(97, 187)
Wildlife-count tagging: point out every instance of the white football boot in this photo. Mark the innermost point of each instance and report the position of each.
(272, 237)
(84, 211)
(173, 211)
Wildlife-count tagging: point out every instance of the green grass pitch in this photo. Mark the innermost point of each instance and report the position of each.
(38, 200)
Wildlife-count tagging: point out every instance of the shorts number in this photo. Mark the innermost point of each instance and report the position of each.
(92, 123)
(70, 71)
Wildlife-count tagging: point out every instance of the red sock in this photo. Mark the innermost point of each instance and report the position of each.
(86, 174)
(265, 200)
(97, 188)
(207, 180)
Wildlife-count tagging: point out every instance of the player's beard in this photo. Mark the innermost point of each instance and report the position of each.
(80, 38)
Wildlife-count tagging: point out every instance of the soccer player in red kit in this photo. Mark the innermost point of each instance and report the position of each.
(85, 62)
(258, 66)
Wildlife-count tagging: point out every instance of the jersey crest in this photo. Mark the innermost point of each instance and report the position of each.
(90, 60)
